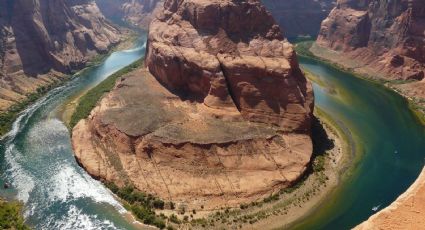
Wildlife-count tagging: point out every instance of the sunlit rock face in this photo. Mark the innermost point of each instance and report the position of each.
(386, 36)
(205, 50)
(136, 12)
(300, 17)
(41, 36)
(220, 116)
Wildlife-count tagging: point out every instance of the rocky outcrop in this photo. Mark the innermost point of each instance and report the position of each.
(300, 17)
(224, 115)
(407, 212)
(379, 38)
(43, 38)
(136, 12)
(205, 52)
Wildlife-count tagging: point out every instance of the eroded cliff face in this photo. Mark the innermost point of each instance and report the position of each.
(43, 38)
(379, 38)
(300, 17)
(137, 12)
(407, 212)
(224, 115)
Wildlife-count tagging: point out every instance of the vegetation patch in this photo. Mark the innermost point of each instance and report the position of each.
(89, 101)
(142, 205)
(11, 216)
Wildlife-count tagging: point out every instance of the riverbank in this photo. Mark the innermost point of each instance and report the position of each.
(279, 209)
(332, 156)
(66, 111)
(8, 116)
(407, 211)
(413, 91)
(282, 210)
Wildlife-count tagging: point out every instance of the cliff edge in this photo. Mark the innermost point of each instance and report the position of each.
(221, 116)
(42, 39)
(382, 39)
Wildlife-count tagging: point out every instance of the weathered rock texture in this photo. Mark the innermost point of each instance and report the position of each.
(222, 118)
(300, 17)
(136, 12)
(407, 212)
(43, 37)
(379, 38)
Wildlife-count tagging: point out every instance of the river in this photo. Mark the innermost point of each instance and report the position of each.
(389, 150)
(38, 162)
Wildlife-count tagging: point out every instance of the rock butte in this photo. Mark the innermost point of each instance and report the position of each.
(42, 38)
(221, 116)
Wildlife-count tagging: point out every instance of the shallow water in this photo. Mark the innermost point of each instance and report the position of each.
(390, 147)
(39, 164)
(38, 161)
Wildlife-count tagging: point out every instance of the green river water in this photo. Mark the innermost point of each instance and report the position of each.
(388, 141)
(38, 162)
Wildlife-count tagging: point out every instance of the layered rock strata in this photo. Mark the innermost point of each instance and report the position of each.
(221, 117)
(385, 40)
(43, 38)
(381, 38)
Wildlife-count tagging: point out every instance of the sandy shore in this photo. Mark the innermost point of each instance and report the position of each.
(291, 206)
(408, 211)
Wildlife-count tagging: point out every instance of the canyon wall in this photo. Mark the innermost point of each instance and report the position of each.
(407, 212)
(382, 38)
(300, 17)
(42, 39)
(224, 116)
(136, 12)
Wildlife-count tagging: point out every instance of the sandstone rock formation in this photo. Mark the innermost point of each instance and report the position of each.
(379, 38)
(221, 118)
(42, 37)
(300, 17)
(137, 12)
(407, 212)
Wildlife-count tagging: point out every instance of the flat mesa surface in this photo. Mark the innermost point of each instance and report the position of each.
(140, 105)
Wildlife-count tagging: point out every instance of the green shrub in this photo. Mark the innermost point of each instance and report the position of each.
(87, 102)
(11, 216)
(140, 204)
(158, 204)
(174, 219)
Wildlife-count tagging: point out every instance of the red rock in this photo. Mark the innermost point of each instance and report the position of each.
(385, 38)
(205, 51)
(43, 36)
(229, 124)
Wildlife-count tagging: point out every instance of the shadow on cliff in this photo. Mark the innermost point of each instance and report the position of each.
(321, 140)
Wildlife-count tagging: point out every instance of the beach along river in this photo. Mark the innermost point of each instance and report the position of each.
(388, 146)
(38, 162)
(389, 151)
